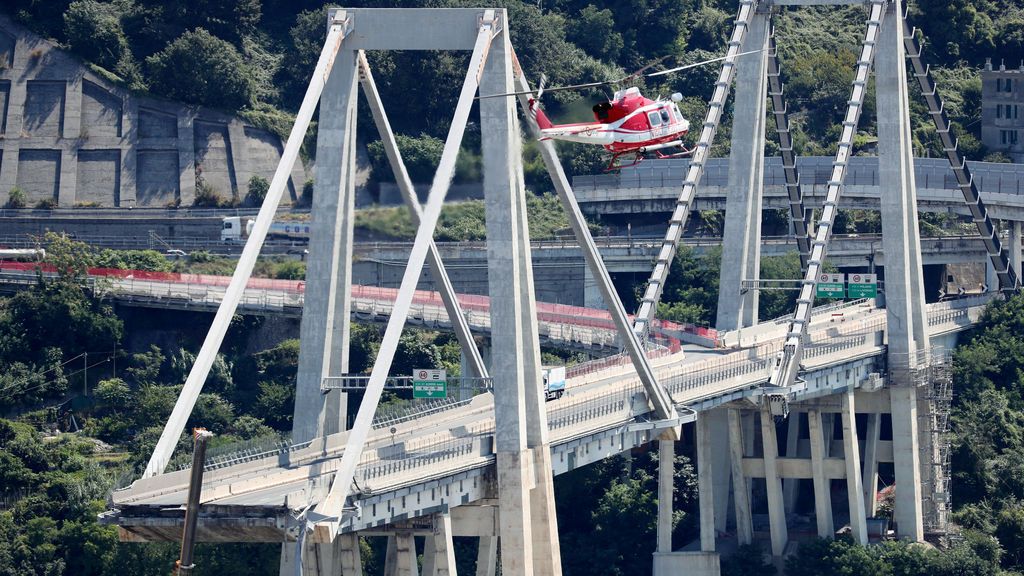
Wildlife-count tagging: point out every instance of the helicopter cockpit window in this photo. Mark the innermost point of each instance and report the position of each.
(601, 110)
(664, 116)
(677, 113)
(654, 118)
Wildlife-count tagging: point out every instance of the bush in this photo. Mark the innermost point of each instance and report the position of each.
(206, 195)
(94, 31)
(200, 68)
(258, 187)
(16, 198)
(46, 204)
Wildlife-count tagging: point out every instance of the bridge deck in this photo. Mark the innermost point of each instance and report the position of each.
(444, 459)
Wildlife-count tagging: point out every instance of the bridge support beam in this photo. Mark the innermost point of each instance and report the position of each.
(741, 256)
(439, 550)
(904, 284)
(740, 486)
(487, 556)
(776, 507)
(822, 484)
(851, 453)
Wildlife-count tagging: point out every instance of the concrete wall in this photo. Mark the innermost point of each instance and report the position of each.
(69, 136)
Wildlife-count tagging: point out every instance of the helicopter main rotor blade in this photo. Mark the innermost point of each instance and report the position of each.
(639, 73)
(699, 64)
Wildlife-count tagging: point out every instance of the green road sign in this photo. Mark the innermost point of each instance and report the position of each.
(831, 286)
(863, 286)
(429, 383)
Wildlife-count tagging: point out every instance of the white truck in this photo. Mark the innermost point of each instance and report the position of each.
(554, 382)
(237, 229)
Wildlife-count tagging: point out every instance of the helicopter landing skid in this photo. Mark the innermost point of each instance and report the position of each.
(617, 160)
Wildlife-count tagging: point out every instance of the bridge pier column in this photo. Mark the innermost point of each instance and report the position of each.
(705, 483)
(904, 284)
(487, 556)
(822, 485)
(851, 453)
(791, 486)
(592, 297)
(718, 421)
(528, 524)
(351, 559)
(871, 438)
(1015, 245)
(740, 486)
(406, 563)
(776, 507)
(317, 560)
(741, 256)
(666, 486)
(324, 330)
(438, 550)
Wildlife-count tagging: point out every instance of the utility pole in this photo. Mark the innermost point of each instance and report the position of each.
(184, 564)
(85, 374)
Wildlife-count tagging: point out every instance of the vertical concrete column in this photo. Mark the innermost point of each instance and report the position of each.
(871, 438)
(1015, 245)
(851, 453)
(348, 549)
(513, 367)
(487, 556)
(901, 240)
(776, 507)
(720, 467)
(705, 484)
(186, 157)
(329, 262)
(317, 559)
(741, 256)
(791, 486)
(907, 323)
(406, 562)
(822, 484)
(666, 485)
(907, 512)
(740, 486)
(390, 557)
(442, 557)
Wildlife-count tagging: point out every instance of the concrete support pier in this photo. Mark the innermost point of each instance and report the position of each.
(666, 485)
(904, 282)
(738, 309)
(854, 488)
(822, 484)
(776, 507)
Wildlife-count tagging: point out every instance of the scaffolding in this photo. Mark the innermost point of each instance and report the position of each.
(934, 381)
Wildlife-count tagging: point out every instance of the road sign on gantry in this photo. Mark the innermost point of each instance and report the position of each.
(863, 286)
(831, 286)
(429, 383)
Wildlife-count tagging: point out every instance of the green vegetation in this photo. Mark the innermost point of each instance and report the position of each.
(258, 188)
(16, 198)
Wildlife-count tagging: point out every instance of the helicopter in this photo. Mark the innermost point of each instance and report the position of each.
(628, 125)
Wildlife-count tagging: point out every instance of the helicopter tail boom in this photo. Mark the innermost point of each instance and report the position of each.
(542, 119)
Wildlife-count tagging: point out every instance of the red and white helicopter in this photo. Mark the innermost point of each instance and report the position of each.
(628, 124)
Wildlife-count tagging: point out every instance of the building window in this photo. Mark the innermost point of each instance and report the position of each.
(999, 84)
(1008, 137)
(1008, 85)
(999, 112)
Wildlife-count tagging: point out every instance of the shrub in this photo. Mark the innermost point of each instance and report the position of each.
(16, 198)
(258, 187)
(206, 195)
(46, 204)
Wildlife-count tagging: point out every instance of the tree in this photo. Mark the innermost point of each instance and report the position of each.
(95, 32)
(258, 187)
(200, 68)
(594, 31)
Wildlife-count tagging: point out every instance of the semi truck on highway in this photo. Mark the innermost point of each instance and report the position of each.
(554, 382)
(237, 229)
